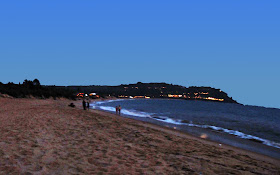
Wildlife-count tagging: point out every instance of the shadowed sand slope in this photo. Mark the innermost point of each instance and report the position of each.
(48, 137)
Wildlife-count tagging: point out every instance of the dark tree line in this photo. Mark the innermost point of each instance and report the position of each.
(33, 88)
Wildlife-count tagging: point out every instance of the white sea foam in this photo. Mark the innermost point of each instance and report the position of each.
(136, 113)
(106, 101)
(96, 103)
(126, 112)
(107, 108)
(123, 111)
(168, 120)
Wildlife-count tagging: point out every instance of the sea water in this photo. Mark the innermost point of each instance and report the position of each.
(257, 124)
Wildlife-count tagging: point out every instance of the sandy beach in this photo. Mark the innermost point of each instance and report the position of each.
(49, 137)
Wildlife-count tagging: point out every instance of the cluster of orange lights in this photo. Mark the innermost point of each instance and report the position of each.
(80, 94)
(86, 95)
(174, 96)
(196, 97)
(141, 97)
(216, 99)
(169, 95)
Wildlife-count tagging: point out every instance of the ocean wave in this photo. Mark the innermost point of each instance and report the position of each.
(126, 112)
(107, 108)
(240, 135)
(106, 101)
(190, 124)
(228, 131)
(168, 120)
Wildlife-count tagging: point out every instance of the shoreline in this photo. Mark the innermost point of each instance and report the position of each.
(49, 137)
(190, 136)
(212, 135)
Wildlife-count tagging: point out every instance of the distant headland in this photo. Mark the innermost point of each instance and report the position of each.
(139, 90)
(156, 90)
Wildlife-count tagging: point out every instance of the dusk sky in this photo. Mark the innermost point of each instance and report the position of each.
(231, 45)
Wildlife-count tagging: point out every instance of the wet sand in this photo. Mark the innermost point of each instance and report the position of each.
(48, 137)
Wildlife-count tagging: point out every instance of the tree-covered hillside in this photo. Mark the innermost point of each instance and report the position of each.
(157, 90)
(34, 89)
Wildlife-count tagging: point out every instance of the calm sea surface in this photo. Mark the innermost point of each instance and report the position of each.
(253, 123)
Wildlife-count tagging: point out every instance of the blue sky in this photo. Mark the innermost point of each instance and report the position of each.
(231, 45)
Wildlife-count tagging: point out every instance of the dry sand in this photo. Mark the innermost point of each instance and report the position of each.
(48, 137)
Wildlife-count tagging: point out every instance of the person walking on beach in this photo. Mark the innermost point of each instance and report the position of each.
(84, 104)
(119, 109)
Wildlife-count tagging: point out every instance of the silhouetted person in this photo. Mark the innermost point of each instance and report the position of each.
(119, 109)
(84, 104)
